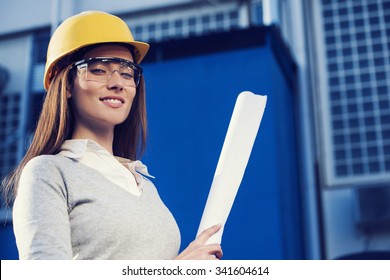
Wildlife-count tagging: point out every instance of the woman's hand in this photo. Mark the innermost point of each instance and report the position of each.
(198, 250)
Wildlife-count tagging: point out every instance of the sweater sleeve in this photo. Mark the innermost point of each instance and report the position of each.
(40, 212)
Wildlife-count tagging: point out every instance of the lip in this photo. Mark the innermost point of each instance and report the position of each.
(112, 101)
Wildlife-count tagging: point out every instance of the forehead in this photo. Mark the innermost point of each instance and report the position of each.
(110, 50)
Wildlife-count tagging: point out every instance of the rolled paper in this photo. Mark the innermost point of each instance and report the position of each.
(240, 137)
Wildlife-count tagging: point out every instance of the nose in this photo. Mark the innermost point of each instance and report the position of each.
(115, 81)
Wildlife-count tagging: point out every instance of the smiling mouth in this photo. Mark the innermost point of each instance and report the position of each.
(112, 100)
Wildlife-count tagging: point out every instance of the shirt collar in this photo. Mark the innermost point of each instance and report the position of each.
(76, 148)
(137, 165)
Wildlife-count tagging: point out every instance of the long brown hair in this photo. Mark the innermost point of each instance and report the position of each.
(55, 125)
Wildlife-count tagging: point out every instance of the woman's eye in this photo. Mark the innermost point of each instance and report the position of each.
(127, 76)
(98, 71)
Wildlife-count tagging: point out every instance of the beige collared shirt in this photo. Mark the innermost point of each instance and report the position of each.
(122, 172)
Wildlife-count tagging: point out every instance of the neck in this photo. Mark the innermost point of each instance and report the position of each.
(104, 137)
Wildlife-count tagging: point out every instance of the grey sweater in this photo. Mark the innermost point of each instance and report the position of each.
(66, 210)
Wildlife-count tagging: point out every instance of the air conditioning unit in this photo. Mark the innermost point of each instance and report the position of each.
(372, 204)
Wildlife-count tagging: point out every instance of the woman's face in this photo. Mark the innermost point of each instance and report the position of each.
(102, 105)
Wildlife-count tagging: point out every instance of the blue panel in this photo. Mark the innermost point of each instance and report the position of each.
(8, 249)
(190, 102)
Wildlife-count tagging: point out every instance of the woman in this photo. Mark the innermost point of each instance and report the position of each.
(80, 191)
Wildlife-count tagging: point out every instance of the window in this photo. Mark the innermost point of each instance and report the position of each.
(192, 26)
(206, 23)
(9, 131)
(354, 35)
(165, 29)
(190, 22)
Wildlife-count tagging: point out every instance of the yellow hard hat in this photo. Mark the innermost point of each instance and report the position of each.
(88, 28)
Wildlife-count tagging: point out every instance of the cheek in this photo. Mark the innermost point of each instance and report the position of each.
(82, 85)
(132, 94)
(78, 105)
(82, 90)
(82, 97)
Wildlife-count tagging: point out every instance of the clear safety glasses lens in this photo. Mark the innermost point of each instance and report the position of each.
(101, 69)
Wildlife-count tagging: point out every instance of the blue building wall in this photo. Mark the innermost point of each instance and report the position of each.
(192, 85)
(8, 249)
(191, 96)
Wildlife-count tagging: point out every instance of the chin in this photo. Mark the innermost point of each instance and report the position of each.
(115, 119)
(116, 122)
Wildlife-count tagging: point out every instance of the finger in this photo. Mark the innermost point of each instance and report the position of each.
(207, 233)
(218, 254)
(215, 250)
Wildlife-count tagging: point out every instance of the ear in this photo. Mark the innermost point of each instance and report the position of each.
(68, 94)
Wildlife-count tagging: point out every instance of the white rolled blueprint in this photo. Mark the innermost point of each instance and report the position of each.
(241, 134)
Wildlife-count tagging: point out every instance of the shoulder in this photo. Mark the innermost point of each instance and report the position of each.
(42, 177)
(149, 188)
(46, 164)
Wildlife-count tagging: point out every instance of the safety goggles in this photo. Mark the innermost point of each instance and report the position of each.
(101, 69)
